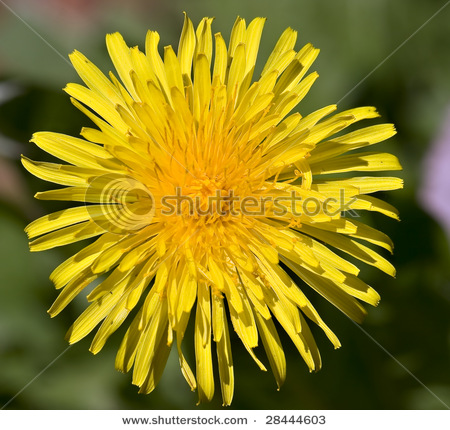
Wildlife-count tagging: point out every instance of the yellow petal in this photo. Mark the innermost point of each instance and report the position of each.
(204, 39)
(218, 315)
(367, 184)
(186, 46)
(225, 359)
(237, 72)
(128, 347)
(203, 356)
(284, 44)
(273, 348)
(237, 36)
(150, 338)
(202, 87)
(66, 235)
(95, 313)
(121, 58)
(371, 235)
(252, 40)
(185, 369)
(354, 140)
(157, 64)
(162, 351)
(81, 260)
(371, 203)
(62, 219)
(353, 248)
(282, 314)
(94, 78)
(244, 324)
(74, 194)
(220, 59)
(359, 289)
(98, 104)
(326, 288)
(142, 68)
(116, 317)
(365, 162)
(71, 290)
(173, 69)
(60, 174)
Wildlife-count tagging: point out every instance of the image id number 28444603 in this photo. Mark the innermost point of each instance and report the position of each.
(301, 419)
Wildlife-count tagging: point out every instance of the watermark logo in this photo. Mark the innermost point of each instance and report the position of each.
(126, 204)
(226, 204)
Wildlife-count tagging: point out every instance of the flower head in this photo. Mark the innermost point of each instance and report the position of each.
(207, 195)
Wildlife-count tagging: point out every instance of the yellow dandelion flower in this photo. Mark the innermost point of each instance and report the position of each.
(206, 195)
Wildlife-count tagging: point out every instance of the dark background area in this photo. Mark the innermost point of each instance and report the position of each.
(411, 89)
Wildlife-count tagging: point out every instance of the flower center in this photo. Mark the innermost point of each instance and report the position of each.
(206, 200)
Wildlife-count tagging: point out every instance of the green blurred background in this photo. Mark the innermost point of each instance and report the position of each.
(411, 89)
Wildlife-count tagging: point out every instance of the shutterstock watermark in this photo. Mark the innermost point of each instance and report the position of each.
(226, 203)
(126, 204)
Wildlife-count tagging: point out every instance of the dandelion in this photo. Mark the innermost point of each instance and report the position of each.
(207, 195)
